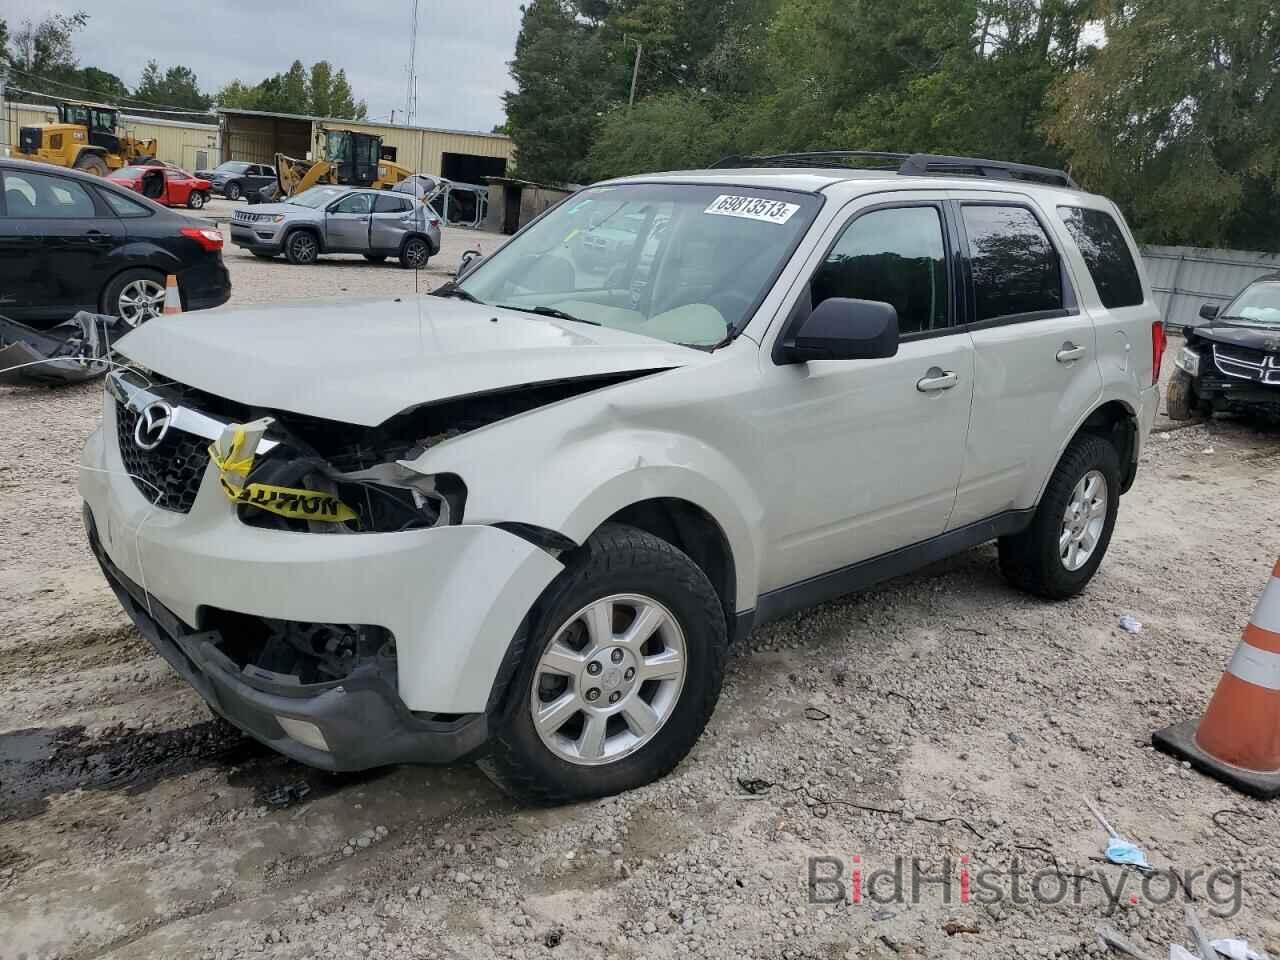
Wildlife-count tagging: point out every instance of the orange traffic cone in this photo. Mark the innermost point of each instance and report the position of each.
(172, 302)
(1238, 740)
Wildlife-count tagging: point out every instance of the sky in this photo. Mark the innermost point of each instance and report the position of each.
(463, 46)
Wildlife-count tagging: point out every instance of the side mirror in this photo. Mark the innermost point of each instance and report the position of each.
(843, 329)
(470, 259)
(1208, 311)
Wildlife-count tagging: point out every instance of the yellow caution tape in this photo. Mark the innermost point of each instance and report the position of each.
(296, 504)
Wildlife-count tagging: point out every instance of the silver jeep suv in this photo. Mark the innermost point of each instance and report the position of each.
(331, 219)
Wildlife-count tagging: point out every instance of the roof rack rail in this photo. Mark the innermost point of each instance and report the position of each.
(856, 159)
(906, 164)
(924, 164)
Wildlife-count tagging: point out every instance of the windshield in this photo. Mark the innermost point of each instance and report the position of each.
(316, 197)
(1259, 303)
(128, 173)
(232, 166)
(687, 264)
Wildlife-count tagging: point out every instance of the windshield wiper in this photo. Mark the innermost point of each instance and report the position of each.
(451, 289)
(551, 312)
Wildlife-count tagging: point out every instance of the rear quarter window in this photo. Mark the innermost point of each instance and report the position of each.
(1106, 254)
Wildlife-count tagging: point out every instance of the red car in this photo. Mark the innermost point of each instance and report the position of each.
(171, 186)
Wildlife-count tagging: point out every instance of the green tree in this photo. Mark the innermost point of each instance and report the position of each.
(321, 89)
(174, 87)
(342, 102)
(1177, 118)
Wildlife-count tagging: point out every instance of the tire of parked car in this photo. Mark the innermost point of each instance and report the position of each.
(414, 253)
(197, 199)
(135, 296)
(644, 726)
(302, 247)
(1181, 401)
(375, 257)
(1058, 553)
(232, 190)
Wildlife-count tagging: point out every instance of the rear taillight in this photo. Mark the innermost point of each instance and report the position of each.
(208, 238)
(1157, 350)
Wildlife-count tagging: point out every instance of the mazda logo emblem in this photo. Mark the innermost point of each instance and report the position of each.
(153, 425)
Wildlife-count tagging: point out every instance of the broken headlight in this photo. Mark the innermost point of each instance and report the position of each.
(1188, 360)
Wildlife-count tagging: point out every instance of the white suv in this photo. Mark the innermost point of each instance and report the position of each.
(522, 520)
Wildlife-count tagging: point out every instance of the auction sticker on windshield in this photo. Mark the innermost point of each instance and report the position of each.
(752, 208)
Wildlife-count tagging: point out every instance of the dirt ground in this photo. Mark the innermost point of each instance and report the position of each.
(940, 717)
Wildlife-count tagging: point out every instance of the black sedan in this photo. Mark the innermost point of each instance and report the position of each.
(236, 178)
(71, 241)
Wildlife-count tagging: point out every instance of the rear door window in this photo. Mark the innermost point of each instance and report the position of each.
(896, 255)
(1106, 254)
(1016, 271)
(389, 204)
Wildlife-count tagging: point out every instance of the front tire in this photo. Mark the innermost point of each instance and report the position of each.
(1180, 401)
(618, 674)
(231, 191)
(1058, 554)
(302, 248)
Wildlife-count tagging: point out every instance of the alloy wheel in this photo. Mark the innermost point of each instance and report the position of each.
(415, 253)
(609, 679)
(1083, 520)
(303, 247)
(140, 300)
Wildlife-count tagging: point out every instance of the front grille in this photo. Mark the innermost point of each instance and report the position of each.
(169, 475)
(1246, 363)
(244, 216)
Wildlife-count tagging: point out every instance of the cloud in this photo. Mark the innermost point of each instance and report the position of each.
(463, 47)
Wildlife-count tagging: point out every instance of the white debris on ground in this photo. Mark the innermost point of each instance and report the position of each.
(942, 716)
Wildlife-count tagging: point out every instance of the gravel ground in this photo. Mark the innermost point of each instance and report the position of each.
(939, 717)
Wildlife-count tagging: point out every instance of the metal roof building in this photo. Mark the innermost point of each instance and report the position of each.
(456, 154)
(1183, 278)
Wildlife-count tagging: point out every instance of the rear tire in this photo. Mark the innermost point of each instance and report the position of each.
(92, 163)
(1040, 560)
(1181, 402)
(627, 573)
(231, 191)
(135, 295)
(302, 248)
(414, 253)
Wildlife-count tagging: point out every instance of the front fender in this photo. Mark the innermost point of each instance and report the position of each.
(572, 480)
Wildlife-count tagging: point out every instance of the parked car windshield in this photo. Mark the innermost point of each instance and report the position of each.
(316, 197)
(1259, 303)
(683, 263)
(232, 166)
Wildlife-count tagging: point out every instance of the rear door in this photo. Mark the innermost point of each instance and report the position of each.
(346, 224)
(1035, 372)
(393, 217)
(866, 454)
(58, 241)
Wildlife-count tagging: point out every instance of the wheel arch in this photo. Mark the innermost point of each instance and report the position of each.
(311, 228)
(1115, 421)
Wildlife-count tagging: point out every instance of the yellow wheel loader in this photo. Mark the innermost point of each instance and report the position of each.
(86, 137)
(350, 158)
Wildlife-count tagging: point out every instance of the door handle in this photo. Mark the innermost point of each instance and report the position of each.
(1069, 352)
(96, 236)
(936, 379)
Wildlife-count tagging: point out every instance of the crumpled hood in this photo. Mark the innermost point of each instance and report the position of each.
(1259, 337)
(362, 361)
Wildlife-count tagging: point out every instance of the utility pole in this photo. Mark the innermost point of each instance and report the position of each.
(635, 73)
(4, 113)
(411, 93)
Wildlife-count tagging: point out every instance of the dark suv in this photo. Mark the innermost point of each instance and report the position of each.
(236, 178)
(1232, 362)
(72, 241)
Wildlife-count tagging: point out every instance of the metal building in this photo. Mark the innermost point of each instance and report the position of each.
(460, 155)
(1183, 278)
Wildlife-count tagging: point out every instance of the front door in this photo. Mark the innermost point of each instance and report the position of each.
(868, 452)
(346, 224)
(55, 257)
(1036, 373)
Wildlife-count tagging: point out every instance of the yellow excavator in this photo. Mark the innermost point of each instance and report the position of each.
(350, 158)
(86, 137)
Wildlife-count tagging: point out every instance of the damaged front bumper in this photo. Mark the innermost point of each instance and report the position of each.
(353, 723)
(452, 598)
